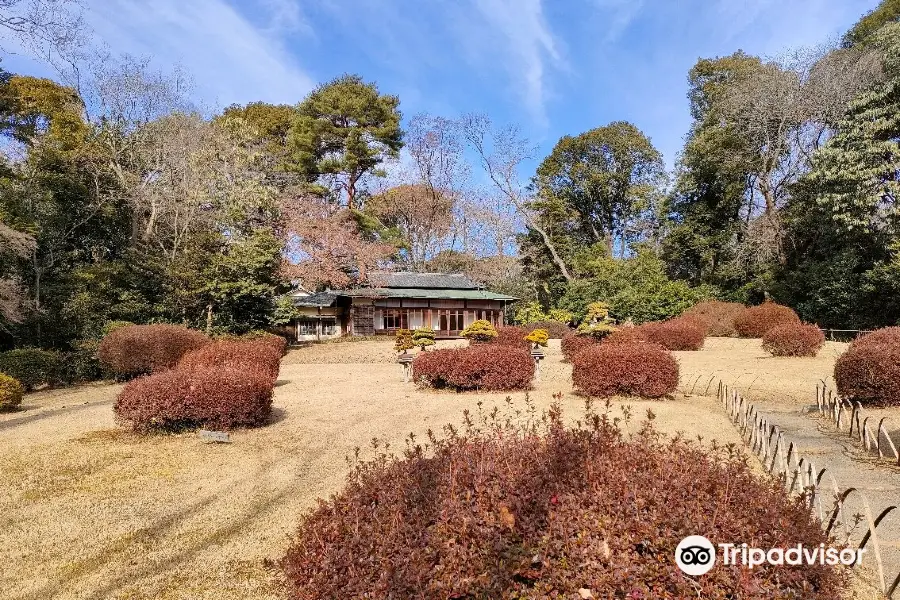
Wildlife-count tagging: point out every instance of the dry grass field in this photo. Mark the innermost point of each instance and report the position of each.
(91, 511)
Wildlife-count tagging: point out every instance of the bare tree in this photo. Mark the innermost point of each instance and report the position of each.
(501, 152)
(14, 244)
(53, 30)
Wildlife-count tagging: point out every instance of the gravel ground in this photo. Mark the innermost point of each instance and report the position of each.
(91, 511)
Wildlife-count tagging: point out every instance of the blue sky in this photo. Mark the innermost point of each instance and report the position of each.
(554, 67)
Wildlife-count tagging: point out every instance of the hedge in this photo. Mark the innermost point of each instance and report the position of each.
(555, 329)
(572, 344)
(755, 321)
(605, 370)
(541, 512)
(485, 367)
(869, 371)
(718, 316)
(793, 339)
(626, 335)
(32, 367)
(512, 335)
(681, 333)
(261, 354)
(213, 398)
(140, 349)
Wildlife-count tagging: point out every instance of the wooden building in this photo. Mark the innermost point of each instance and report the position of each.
(446, 302)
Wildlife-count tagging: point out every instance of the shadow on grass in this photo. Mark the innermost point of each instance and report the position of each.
(50, 413)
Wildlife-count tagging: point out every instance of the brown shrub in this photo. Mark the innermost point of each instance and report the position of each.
(886, 335)
(626, 335)
(573, 343)
(213, 398)
(506, 511)
(718, 316)
(793, 339)
(512, 335)
(11, 392)
(485, 367)
(606, 370)
(869, 373)
(259, 353)
(555, 329)
(755, 321)
(140, 349)
(680, 333)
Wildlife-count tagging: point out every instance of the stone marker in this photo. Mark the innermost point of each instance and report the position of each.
(214, 436)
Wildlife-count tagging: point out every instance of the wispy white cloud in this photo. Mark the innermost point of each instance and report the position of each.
(618, 14)
(230, 59)
(530, 46)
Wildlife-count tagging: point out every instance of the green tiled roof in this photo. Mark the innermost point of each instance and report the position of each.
(430, 294)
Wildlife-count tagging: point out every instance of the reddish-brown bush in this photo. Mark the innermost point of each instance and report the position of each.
(512, 335)
(718, 316)
(885, 336)
(555, 329)
(484, 367)
(626, 335)
(606, 370)
(499, 511)
(213, 398)
(572, 344)
(870, 373)
(755, 321)
(680, 333)
(793, 339)
(140, 349)
(261, 354)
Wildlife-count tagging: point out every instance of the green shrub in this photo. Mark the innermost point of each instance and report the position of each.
(404, 340)
(423, 336)
(113, 325)
(479, 331)
(11, 392)
(31, 366)
(81, 364)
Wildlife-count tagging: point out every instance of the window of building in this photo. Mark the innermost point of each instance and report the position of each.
(456, 320)
(396, 319)
(329, 327)
(306, 327)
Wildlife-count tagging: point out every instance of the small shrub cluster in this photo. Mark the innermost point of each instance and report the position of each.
(572, 344)
(605, 370)
(511, 335)
(403, 340)
(555, 329)
(869, 371)
(680, 333)
(793, 339)
(540, 511)
(11, 392)
(483, 367)
(539, 337)
(597, 321)
(718, 316)
(210, 397)
(32, 367)
(140, 349)
(479, 331)
(755, 321)
(261, 355)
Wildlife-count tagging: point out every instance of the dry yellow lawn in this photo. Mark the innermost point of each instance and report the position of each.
(91, 511)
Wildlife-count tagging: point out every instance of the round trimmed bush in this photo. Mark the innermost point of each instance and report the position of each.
(511, 335)
(755, 321)
(718, 316)
(32, 367)
(681, 333)
(11, 392)
(870, 374)
(483, 367)
(479, 331)
(212, 398)
(555, 329)
(605, 370)
(573, 343)
(886, 335)
(793, 339)
(261, 354)
(275, 341)
(140, 349)
(541, 512)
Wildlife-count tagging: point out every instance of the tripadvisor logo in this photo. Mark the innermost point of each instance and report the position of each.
(696, 555)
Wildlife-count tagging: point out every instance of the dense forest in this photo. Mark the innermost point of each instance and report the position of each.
(122, 200)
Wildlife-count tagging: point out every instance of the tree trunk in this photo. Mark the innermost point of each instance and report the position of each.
(549, 244)
(209, 318)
